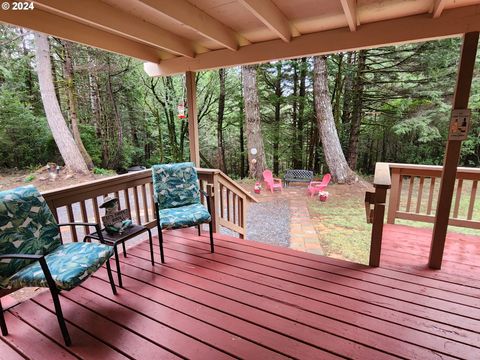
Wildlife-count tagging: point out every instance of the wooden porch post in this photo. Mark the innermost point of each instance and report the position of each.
(192, 118)
(452, 153)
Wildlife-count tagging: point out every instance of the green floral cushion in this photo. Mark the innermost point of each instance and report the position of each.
(27, 226)
(69, 264)
(175, 185)
(184, 216)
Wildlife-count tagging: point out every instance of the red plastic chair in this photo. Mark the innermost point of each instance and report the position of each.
(271, 182)
(316, 186)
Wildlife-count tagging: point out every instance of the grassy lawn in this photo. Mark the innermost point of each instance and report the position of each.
(340, 222)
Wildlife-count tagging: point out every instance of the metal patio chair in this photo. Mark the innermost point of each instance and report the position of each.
(33, 255)
(177, 200)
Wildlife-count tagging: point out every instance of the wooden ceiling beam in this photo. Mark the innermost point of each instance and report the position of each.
(350, 10)
(267, 12)
(48, 23)
(105, 17)
(438, 6)
(408, 29)
(197, 20)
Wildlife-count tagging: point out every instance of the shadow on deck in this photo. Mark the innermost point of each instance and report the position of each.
(255, 301)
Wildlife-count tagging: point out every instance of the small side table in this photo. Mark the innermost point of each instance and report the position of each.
(115, 239)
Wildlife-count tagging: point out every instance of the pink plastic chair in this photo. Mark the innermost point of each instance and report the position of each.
(271, 182)
(316, 186)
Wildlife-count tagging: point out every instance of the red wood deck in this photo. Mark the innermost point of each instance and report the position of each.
(254, 301)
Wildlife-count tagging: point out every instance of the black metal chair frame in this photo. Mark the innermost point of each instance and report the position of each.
(98, 235)
(160, 235)
(51, 285)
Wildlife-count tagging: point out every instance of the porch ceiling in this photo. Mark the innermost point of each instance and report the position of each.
(178, 36)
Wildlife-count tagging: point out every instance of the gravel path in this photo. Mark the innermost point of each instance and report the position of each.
(269, 222)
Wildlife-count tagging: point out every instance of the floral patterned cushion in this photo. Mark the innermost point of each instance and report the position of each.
(184, 216)
(175, 185)
(69, 264)
(27, 226)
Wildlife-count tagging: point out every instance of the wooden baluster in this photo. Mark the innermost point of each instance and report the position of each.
(71, 218)
(96, 211)
(127, 202)
(473, 195)
(137, 205)
(145, 203)
(458, 197)
(410, 191)
(202, 187)
(430, 195)
(234, 204)
(228, 204)
(243, 217)
(222, 214)
(83, 210)
(152, 201)
(419, 195)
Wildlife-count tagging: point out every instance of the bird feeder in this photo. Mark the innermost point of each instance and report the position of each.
(181, 111)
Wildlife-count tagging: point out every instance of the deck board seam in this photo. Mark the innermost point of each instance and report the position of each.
(376, 303)
(365, 269)
(39, 330)
(70, 323)
(224, 312)
(158, 321)
(332, 318)
(306, 297)
(257, 324)
(296, 273)
(314, 327)
(11, 346)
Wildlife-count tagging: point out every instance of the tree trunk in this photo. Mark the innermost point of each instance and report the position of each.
(296, 164)
(357, 110)
(332, 149)
(242, 144)
(117, 132)
(256, 162)
(220, 116)
(63, 138)
(72, 101)
(276, 129)
(301, 114)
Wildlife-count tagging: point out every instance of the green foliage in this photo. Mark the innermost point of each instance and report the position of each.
(127, 118)
(25, 139)
(29, 178)
(100, 171)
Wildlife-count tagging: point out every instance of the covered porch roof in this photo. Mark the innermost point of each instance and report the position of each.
(178, 36)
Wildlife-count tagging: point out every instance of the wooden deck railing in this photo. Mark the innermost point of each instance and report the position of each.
(414, 194)
(81, 202)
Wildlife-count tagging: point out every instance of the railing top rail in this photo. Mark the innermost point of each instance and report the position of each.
(109, 182)
(382, 175)
(96, 184)
(431, 167)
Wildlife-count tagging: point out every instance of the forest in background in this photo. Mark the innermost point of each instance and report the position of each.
(387, 104)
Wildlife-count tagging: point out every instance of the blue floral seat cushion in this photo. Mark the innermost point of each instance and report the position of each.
(69, 264)
(184, 216)
(175, 185)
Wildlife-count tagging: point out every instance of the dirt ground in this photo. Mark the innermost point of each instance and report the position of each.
(42, 180)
